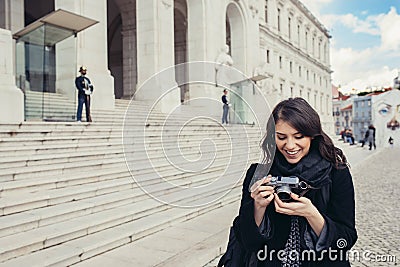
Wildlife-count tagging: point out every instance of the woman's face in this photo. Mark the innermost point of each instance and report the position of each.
(292, 144)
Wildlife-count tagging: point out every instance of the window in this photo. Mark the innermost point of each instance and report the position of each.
(291, 91)
(315, 79)
(266, 11)
(308, 75)
(281, 88)
(289, 27)
(369, 103)
(306, 41)
(313, 46)
(279, 20)
(320, 104)
(299, 71)
(298, 34)
(320, 80)
(267, 56)
(315, 100)
(301, 93)
(319, 50)
(362, 104)
(280, 62)
(291, 67)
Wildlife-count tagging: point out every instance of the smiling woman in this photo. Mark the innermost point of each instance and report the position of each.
(292, 144)
(319, 218)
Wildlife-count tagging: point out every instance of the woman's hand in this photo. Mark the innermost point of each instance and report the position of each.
(262, 195)
(302, 206)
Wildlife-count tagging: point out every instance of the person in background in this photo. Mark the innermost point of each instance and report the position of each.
(350, 137)
(225, 108)
(85, 89)
(370, 136)
(391, 141)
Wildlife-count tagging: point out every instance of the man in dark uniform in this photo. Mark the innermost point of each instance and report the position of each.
(85, 89)
(225, 107)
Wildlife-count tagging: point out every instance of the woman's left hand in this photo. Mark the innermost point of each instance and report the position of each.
(302, 206)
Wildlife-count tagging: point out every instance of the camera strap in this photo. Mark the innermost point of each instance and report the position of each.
(306, 188)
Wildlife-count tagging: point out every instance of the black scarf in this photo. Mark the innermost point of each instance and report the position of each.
(315, 171)
(312, 168)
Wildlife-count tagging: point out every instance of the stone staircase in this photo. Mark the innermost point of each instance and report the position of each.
(67, 195)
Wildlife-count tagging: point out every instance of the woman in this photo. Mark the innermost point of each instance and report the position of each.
(311, 230)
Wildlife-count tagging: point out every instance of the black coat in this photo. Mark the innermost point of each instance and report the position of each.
(80, 84)
(335, 201)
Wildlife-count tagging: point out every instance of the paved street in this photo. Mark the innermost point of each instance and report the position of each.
(377, 185)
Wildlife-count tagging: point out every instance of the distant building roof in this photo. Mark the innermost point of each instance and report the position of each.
(347, 107)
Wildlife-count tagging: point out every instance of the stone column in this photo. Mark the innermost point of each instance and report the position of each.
(91, 52)
(129, 60)
(11, 98)
(12, 15)
(155, 52)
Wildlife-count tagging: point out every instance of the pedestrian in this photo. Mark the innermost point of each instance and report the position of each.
(350, 137)
(85, 90)
(370, 136)
(391, 141)
(343, 135)
(225, 107)
(273, 232)
(364, 140)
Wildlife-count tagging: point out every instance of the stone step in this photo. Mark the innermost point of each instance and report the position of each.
(94, 153)
(104, 230)
(50, 181)
(13, 203)
(60, 181)
(83, 131)
(57, 212)
(59, 169)
(118, 159)
(56, 148)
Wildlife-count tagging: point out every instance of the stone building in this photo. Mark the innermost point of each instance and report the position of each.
(135, 39)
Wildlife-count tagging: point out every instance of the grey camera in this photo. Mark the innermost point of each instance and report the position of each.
(283, 186)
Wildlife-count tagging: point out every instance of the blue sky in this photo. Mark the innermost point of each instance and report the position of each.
(365, 44)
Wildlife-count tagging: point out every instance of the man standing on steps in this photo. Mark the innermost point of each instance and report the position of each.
(225, 107)
(85, 89)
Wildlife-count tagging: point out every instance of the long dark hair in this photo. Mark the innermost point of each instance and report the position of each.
(301, 116)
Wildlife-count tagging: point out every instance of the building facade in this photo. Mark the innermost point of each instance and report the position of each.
(135, 39)
(362, 116)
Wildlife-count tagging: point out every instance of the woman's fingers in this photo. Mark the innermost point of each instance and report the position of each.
(259, 185)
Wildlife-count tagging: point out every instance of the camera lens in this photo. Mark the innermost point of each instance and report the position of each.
(284, 196)
(283, 193)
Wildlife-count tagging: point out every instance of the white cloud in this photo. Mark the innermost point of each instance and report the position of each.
(389, 25)
(374, 66)
(369, 25)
